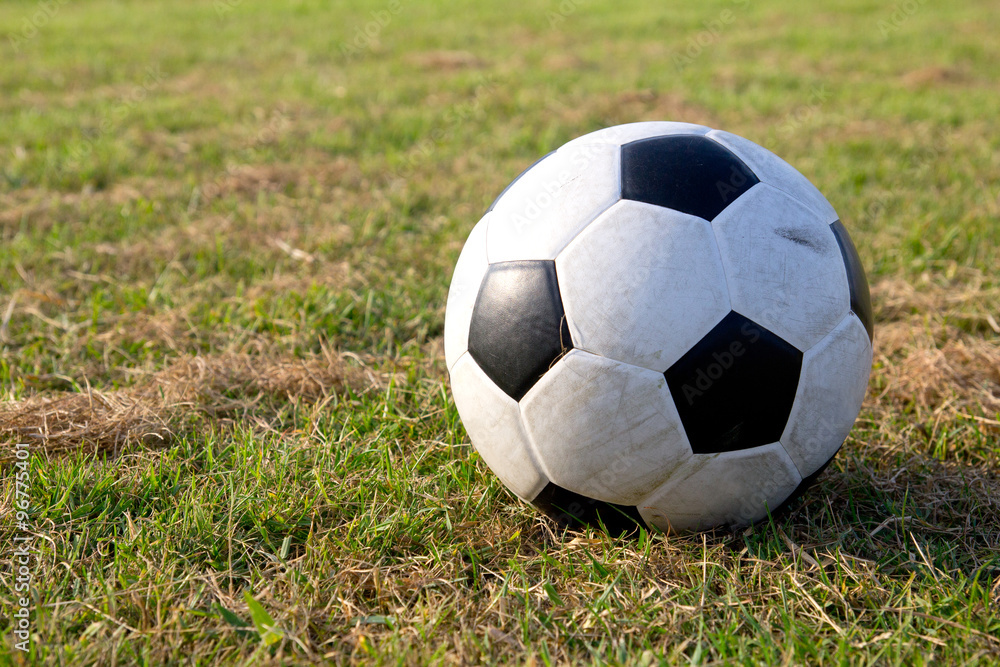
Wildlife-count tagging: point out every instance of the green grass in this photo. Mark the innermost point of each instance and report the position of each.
(206, 178)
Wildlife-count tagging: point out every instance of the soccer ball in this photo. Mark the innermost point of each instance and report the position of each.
(659, 324)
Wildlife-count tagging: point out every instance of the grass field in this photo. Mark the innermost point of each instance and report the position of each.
(227, 234)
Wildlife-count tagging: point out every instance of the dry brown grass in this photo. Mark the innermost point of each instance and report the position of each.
(966, 299)
(935, 352)
(446, 60)
(934, 75)
(937, 348)
(43, 207)
(321, 175)
(157, 406)
(928, 364)
(633, 106)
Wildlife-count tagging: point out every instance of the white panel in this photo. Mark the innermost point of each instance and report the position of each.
(623, 134)
(642, 284)
(604, 429)
(493, 421)
(774, 171)
(732, 488)
(832, 386)
(552, 202)
(783, 265)
(465, 282)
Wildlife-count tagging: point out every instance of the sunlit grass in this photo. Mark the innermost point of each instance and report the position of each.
(187, 184)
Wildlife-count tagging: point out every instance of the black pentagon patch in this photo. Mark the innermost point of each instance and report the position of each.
(572, 510)
(518, 327)
(688, 173)
(734, 389)
(861, 297)
(516, 179)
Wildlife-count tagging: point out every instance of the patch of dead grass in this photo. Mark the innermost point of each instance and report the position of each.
(938, 343)
(561, 61)
(636, 106)
(970, 301)
(246, 180)
(156, 407)
(929, 364)
(44, 207)
(444, 60)
(934, 75)
(936, 375)
(320, 179)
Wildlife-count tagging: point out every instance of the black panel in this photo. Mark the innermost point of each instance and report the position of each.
(518, 325)
(571, 510)
(735, 388)
(516, 179)
(861, 297)
(691, 174)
